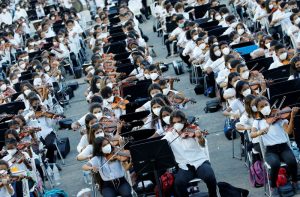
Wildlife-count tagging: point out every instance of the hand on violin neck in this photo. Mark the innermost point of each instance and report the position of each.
(294, 111)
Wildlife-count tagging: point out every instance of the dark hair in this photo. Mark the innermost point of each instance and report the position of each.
(3, 162)
(211, 40)
(234, 63)
(238, 89)
(178, 114)
(94, 88)
(279, 46)
(163, 97)
(105, 92)
(97, 146)
(256, 101)
(238, 68)
(12, 132)
(167, 109)
(93, 129)
(293, 70)
(230, 77)
(154, 101)
(212, 55)
(248, 100)
(21, 118)
(94, 105)
(96, 99)
(87, 119)
(154, 86)
(179, 17)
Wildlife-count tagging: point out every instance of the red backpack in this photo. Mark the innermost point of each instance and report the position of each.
(167, 182)
(282, 177)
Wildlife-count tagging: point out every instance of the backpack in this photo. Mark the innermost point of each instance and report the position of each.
(167, 182)
(229, 129)
(286, 190)
(282, 177)
(55, 193)
(212, 106)
(257, 174)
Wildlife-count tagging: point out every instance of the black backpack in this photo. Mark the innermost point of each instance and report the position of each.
(212, 106)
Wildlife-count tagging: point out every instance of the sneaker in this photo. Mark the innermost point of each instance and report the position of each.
(274, 192)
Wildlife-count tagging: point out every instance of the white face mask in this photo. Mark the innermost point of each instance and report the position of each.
(218, 53)
(156, 111)
(216, 43)
(147, 76)
(98, 85)
(246, 92)
(166, 119)
(268, 45)
(106, 149)
(245, 75)
(226, 51)
(3, 87)
(98, 115)
(110, 99)
(206, 40)
(266, 110)
(178, 126)
(154, 76)
(166, 91)
(47, 68)
(11, 151)
(234, 85)
(241, 31)
(37, 82)
(109, 85)
(92, 71)
(230, 100)
(218, 17)
(27, 92)
(195, 37)
(202, 46)
(23, 66)
(283, 56)
(254, 109)
(14, 81)
(297, 21)
(224, 16)
(101, 134)
(271, 6)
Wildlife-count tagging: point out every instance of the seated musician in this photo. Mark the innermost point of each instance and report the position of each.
(281, 57)
(6, 91)
(273, 133)
(193, 161)
(109, 100)
(295, 68)
(110, 169)
(6, 189)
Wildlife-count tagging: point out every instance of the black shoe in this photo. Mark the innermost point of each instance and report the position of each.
(168, 55)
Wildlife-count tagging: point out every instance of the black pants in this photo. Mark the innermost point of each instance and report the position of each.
(275, 31)
(277, 153)
(185, 59)
(204, 172)
(115, 188)
(49, 143)
(168, 44)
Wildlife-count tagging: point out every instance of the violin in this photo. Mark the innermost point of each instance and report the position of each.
(170, 78)
(190, 131)
(47, 114)
(277, 114)
(117, 154)
(119, 103)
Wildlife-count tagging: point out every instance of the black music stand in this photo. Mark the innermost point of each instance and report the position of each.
(260, 63)
(217, 32)
(12, 107)
(135, 116)
(138, 135)
(279, 74)
(152, 156)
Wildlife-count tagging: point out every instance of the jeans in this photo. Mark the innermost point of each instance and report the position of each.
(204, 172)
(277, 153)
(111, 190)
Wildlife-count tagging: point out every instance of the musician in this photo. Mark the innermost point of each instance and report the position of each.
(295, 68)
(189, 153)
(89, 120)
(112, 173)
(108, 99)
(281, 56)
(6, 91)
(6, 189)
(153, 90)
(275, 139)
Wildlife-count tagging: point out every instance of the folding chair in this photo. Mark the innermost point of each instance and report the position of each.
(267, 167)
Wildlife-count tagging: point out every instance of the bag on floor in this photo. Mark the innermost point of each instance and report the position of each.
(167, 182)
(282, 178)
(55, 193)
(64, 147)
(286, 190)
(212, 106)
(229, 129)
(257, 174)
(178, 67)
(227, 190)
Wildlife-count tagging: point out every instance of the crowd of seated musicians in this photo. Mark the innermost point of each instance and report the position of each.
(121, 60)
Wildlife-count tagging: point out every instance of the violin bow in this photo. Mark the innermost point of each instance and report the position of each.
(282, 101)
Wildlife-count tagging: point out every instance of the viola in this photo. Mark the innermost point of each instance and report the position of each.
(119, 103)
(117, 154)
(190, 131)
(47, 114)
(277, 114)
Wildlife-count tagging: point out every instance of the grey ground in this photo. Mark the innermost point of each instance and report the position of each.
(226, 168)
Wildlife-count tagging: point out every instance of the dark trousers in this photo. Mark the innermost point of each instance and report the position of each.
(204, 172)
(277, 153)
(185, 59)
(49, 144)
(170, 44)
(116, 188)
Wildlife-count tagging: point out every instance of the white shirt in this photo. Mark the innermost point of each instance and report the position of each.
(4, 192)
(87, 151)
(292, 77)
(157, 126)
(186, 151)
(237, 106)
(222, 76)
(246, 121)
(6, 18)
(20, 13)
(82, 143)
(275, 64)
(277, 15)
(276, 133)
(176, 32)
(189, 47)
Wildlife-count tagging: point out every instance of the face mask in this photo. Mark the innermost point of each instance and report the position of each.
(61, 39)
(218, 17)
(271, 6)
(110, 99)
(166, 91)
(268, 45)
(202, 46)
(218, 53)
(246, 92)
(23, 66)
(241, 31)
(216, 43)
(254, 109)
(245, 75)
(14, 81)
(98, 85)
(98, 115)
(153, 76)
(283, 56)
(166, 119)
(156, 111)
(147, 76)
(3, 87)
(26, 92)
(92, 71)
(4, 10)
(106, 149)
(47, 68)
(266, 110)
(37, 82)
(230, 100)
(206, 40)
(11, 151)
(99, 135)
(181, 25)
(109, 85)
(178, 126)
(226, 51)
(18, 130)
(195, 37)
(297, 21)
(234, 85)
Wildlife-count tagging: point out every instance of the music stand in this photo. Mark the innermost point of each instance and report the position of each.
(279, 74)
(139, 134)
(12, 107)
(151, 157)
(135, 116)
